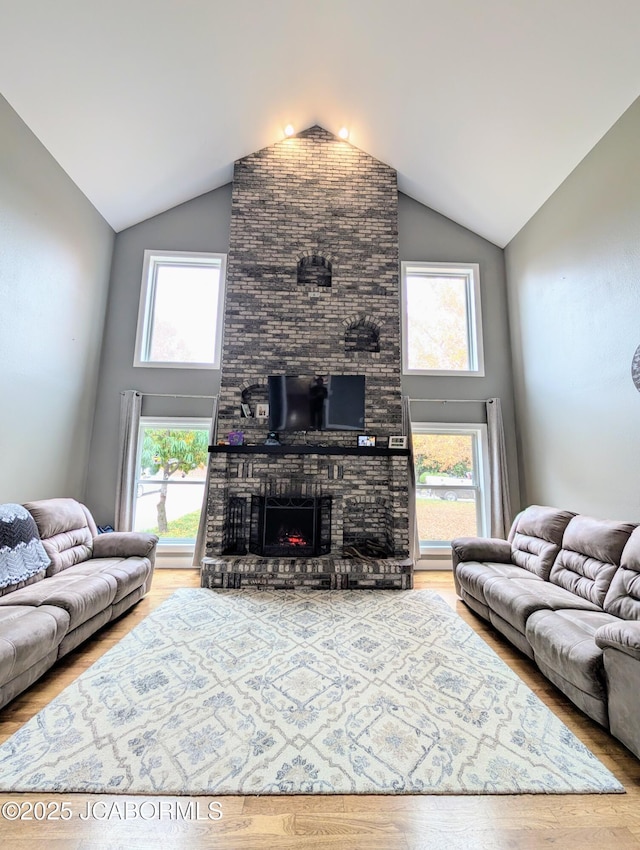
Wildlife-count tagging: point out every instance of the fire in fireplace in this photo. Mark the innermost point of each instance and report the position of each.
(292, 538)
(290, 526)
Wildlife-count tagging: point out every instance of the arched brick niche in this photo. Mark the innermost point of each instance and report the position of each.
(362, 334)
(315, 270)
(254, 392)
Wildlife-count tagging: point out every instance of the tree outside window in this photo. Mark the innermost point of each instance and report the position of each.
(171, 475)
(451, 487)
(442, 326)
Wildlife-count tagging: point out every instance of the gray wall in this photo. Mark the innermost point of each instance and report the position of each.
(574, 295)
(55, 254)
(426, 235)
(201, 224)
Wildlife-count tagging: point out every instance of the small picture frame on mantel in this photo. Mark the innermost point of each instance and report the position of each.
(262, 411)
(366, 441)
(246, 411)
(398, 442)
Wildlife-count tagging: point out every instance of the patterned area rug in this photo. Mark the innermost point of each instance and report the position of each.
(300, 692)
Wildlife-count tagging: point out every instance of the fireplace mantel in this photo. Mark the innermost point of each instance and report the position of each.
(364, 451)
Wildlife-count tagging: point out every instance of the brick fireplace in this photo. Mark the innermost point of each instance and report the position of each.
(312, 289)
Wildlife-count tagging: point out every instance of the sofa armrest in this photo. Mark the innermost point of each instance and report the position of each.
(125, 544)
(624, 636)
(480, 549)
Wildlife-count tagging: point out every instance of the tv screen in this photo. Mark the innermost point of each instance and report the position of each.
(316, 402)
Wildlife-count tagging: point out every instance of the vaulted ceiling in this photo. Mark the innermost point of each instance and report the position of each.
(482, 106)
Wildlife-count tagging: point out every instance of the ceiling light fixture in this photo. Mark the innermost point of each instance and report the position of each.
(343, 133)
(289, 130)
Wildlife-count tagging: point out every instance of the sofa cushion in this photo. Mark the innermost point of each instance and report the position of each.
(27, 635)
(536, 536)
(623, 596)
(5, 591)
(128, 573)
(23, 559)
(589, 557)
(66, 529)
(564, 641)
(82, 597)
(514, 600)
(473, 576)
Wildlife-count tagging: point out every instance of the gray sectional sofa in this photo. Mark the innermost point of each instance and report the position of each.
(565, 589)
(60, 581)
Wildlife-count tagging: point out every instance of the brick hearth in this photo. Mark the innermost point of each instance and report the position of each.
(319, 573)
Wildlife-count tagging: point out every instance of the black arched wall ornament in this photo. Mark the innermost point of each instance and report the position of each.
(635, 368)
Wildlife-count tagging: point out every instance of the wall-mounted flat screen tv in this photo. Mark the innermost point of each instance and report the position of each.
(316, 402)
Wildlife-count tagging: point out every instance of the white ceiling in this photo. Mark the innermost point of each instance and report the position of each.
(483, 106)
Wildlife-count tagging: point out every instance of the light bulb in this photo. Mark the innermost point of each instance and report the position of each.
(289, 130)
(344, 133)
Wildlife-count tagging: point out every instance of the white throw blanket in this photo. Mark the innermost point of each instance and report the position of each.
(22, 555)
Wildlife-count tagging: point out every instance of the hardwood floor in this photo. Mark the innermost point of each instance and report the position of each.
(332, 822)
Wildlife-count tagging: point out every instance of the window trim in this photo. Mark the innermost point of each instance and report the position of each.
(167, 544)
(481, 464)
(152, 259)
(471, 271)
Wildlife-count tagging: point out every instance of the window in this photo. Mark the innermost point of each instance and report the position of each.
(170, 477)
(441, 320)
(451, 483)
(180, 313)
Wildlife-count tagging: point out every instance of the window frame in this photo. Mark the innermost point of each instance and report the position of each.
(201, 423)
(471, 272)
(151, 262)
(481, 466)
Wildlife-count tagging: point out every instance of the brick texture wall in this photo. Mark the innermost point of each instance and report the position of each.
(316, 199)
(312, 195)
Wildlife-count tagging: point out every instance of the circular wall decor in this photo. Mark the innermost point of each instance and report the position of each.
(635, 368)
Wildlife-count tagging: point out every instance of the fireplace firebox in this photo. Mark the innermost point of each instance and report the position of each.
(290, 526)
